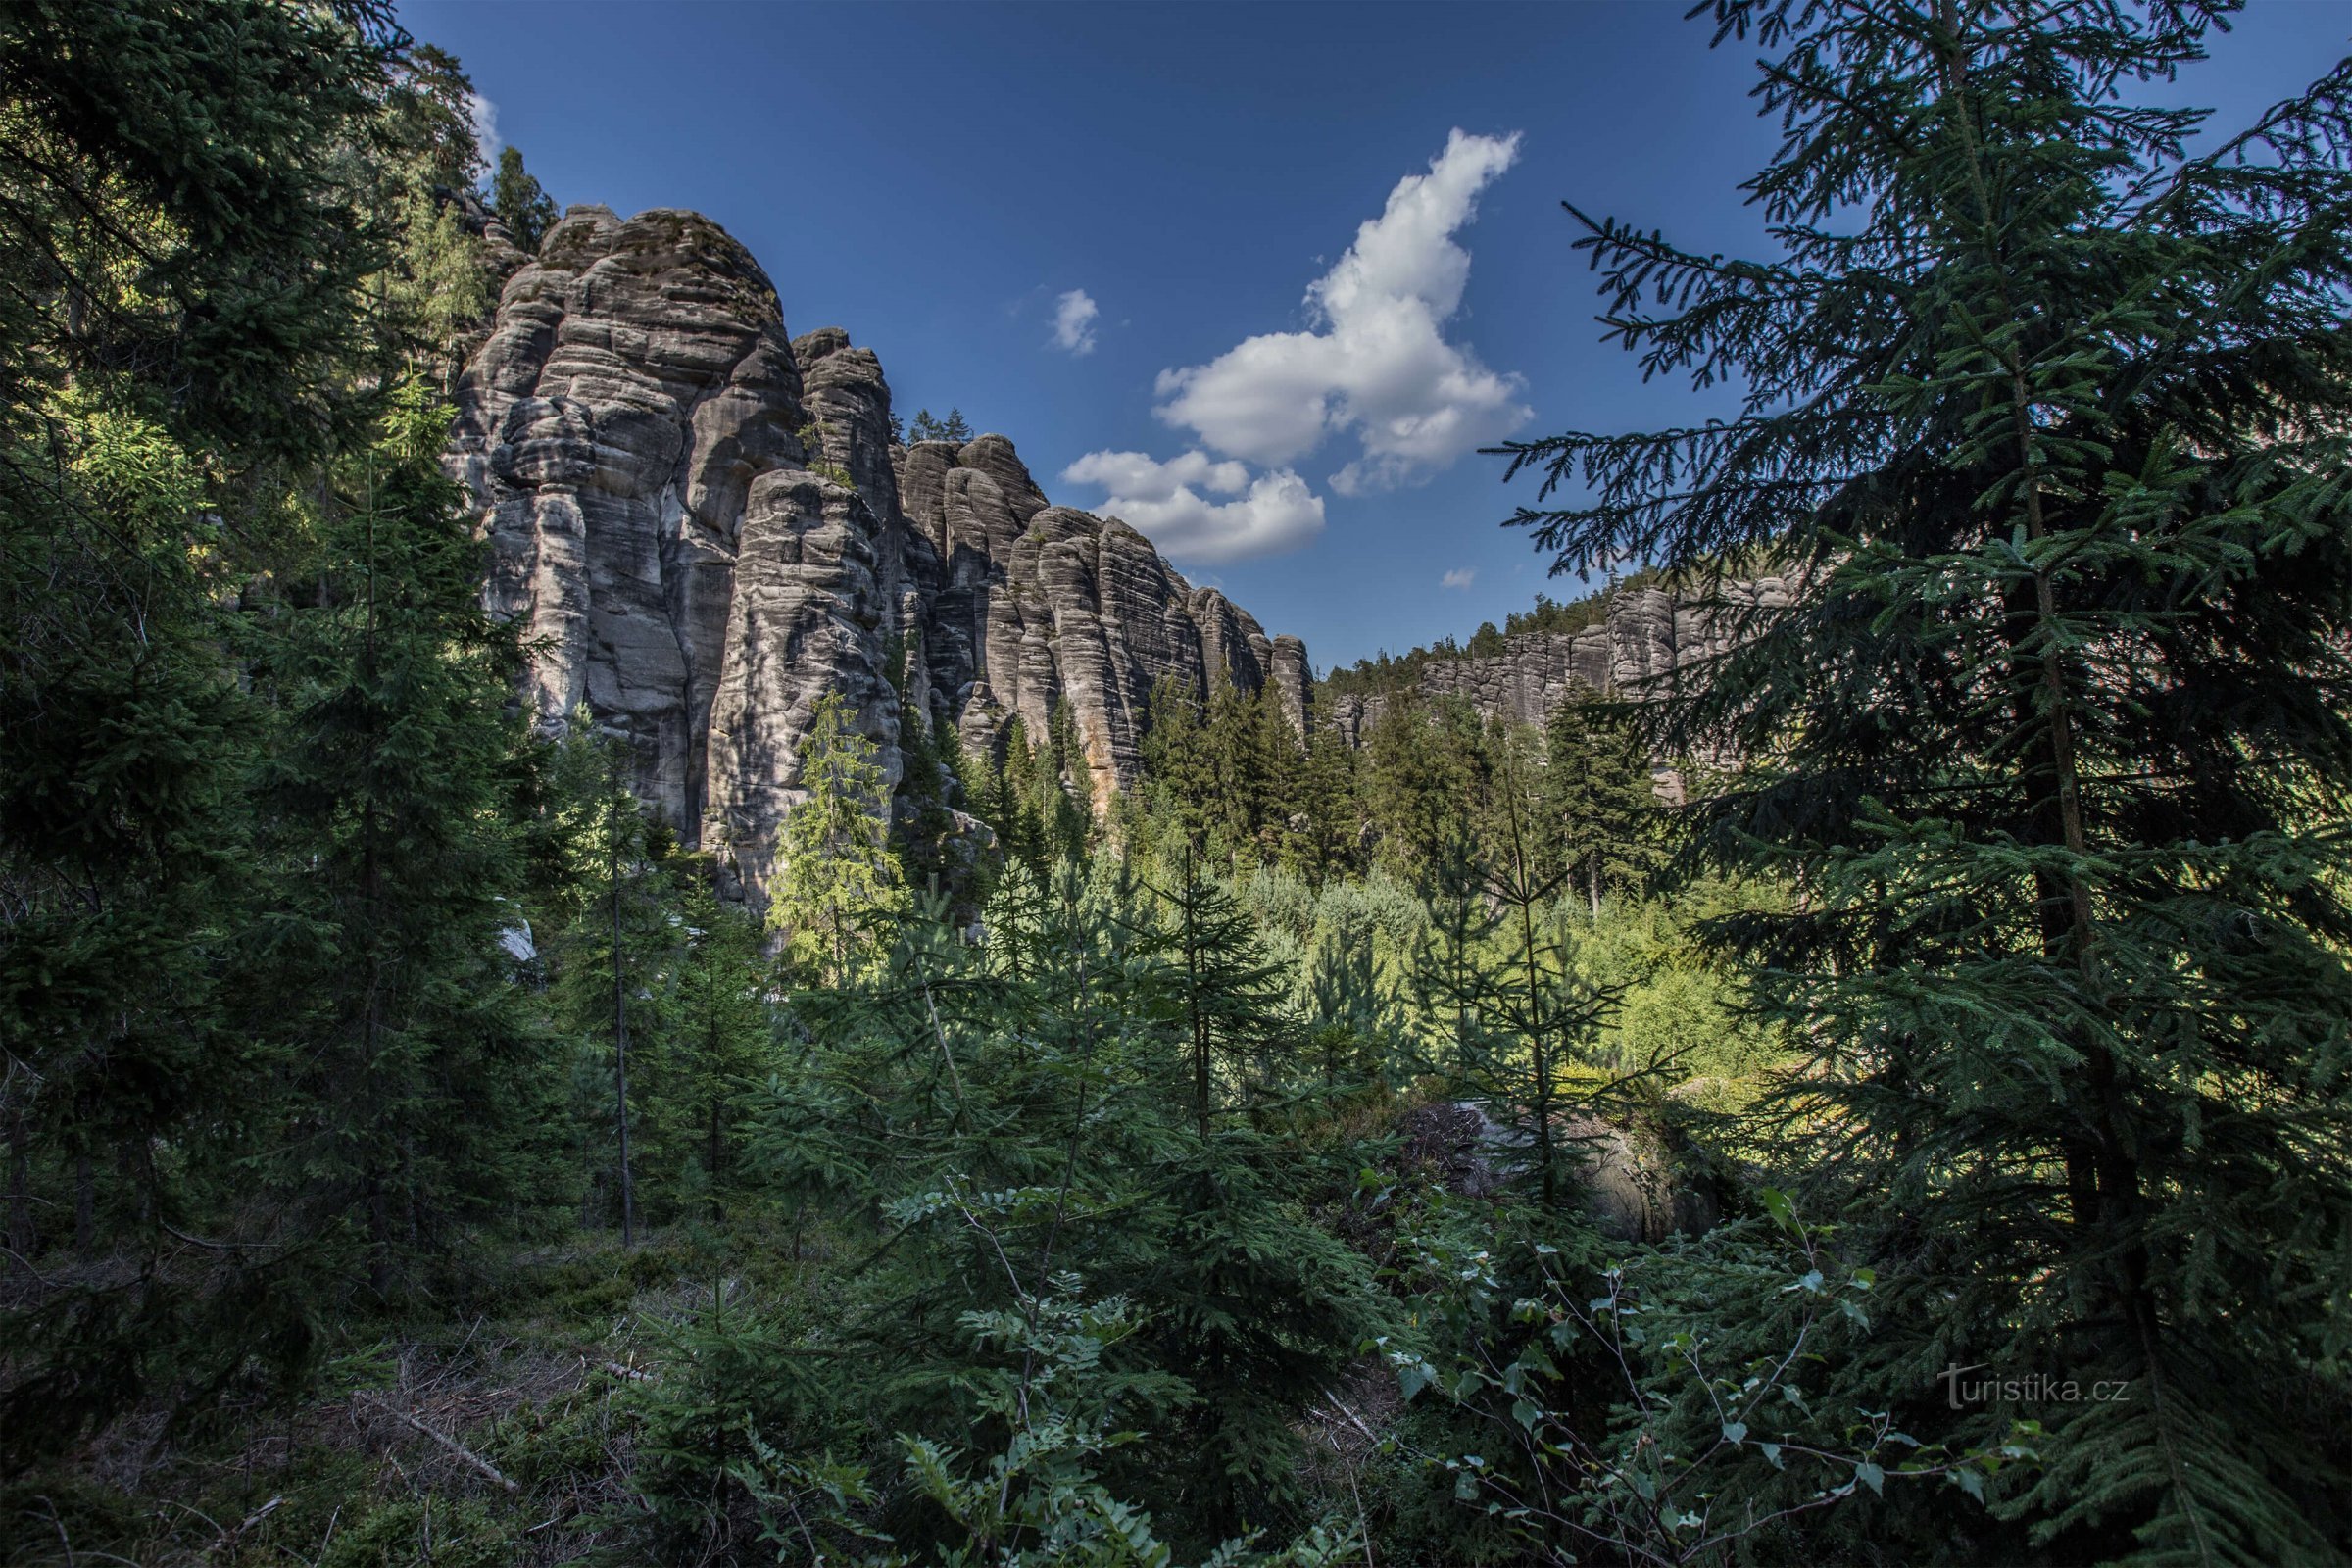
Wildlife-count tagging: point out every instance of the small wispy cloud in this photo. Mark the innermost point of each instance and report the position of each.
(1075, 315)
(1459, 577)
(484, 115)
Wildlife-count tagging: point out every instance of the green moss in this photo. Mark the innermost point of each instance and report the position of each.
(446, 1532)
(562, 1439)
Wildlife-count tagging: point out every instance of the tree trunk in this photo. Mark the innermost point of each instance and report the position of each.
(408, 1186)
(371, 1012)
(717, 1148)
(620, 1058)
(21, 1238)
(1523, 891)
(371, 1178)
(1199, 1020)
(2102, 1176)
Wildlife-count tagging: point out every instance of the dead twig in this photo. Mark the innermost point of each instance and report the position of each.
(1352, 1419)
(472, 1459)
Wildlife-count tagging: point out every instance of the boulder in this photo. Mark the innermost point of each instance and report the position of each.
(1628, 1177)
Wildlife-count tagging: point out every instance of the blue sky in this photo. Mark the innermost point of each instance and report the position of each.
(1127, 236)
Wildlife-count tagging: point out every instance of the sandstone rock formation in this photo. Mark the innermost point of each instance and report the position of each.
(702, 526)
(1636, 1178)
(1646, 638)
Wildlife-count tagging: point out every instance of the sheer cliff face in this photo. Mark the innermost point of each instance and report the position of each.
(660, 472)
(1646, 639)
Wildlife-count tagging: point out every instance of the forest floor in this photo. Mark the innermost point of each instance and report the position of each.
(510, 1432)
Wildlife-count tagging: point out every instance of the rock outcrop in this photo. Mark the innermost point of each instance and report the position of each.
(1636, 1180)
(1644, 639)
(702, 526)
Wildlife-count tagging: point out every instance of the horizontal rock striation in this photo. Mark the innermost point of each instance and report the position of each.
(1646, 638)
(702, 526)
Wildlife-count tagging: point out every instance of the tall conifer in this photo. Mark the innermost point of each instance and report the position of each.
(1596, 798)
(394, 825)
(840, 887)
(2047, 403)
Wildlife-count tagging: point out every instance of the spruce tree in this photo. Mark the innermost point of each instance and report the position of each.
(1597, 802)
(1060, 777)
(2046, 404)
(1275, 762)
(1498, 973)
(1251, 1304)
(528, 211)
(393, 822)
(924, 834)
(840, 887)
(188, 218)
(1026, 1116)
(1426, 781)
(125, 821)
(1237, 786)
(1224, 991)
(1176, 771)
(1010, 803)
(621, 849)
(705, 1070)
(619, 957)
(432, 110)
(1329, 843)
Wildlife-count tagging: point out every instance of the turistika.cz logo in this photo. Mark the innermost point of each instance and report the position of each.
(1961, 1391)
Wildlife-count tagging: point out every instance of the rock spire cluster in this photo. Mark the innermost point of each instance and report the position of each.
(701, 525)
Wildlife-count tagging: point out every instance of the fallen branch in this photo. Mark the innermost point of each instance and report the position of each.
(252, 1519)
(43, 1279)
(1352, 1419)
(472, 1460)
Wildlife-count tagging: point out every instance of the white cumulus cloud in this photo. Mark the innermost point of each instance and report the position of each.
(1459, 577)
(1139, 477)
(484, 115)
(1163, 500)
(1075, 315)
(1376, 364)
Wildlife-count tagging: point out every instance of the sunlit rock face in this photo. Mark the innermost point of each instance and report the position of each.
(702, 526)
(1643, 642)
